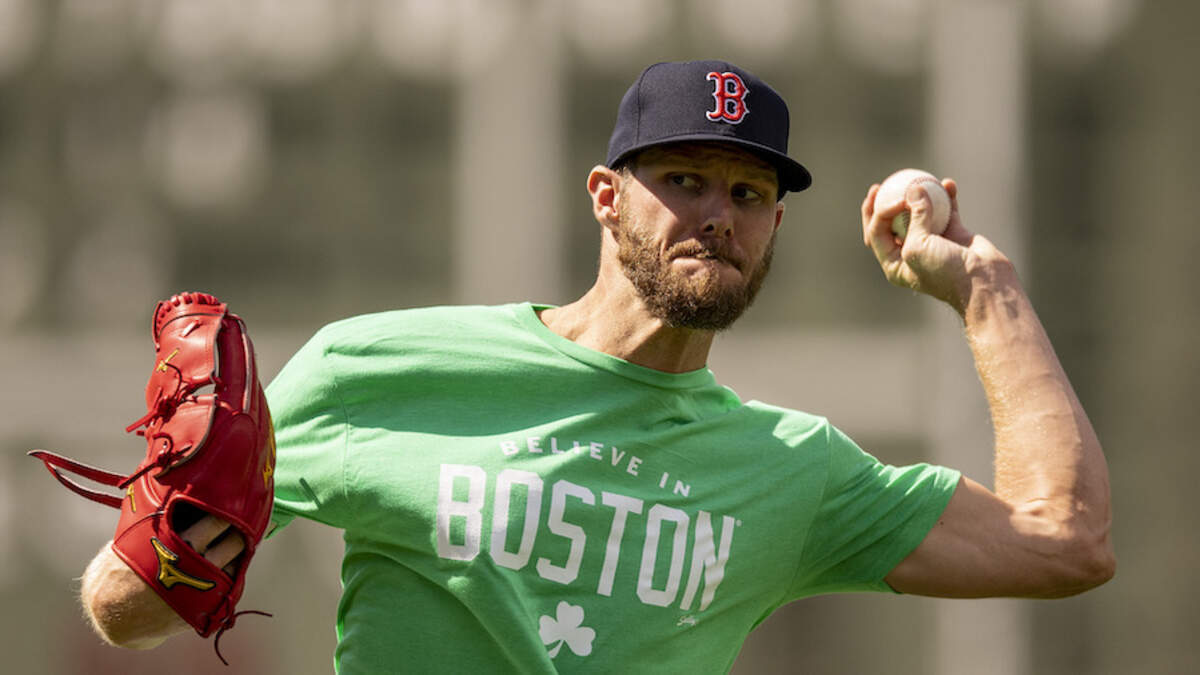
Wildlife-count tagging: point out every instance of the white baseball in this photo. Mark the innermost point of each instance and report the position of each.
(892, 191)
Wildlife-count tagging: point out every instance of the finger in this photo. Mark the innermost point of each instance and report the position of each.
(202, 534)
(878, 234)
(955, 231)
(869, 215)
(952, 190)
(868, 205)
(225, 551)
(919, 206)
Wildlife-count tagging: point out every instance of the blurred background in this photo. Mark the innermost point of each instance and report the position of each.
(307, 160)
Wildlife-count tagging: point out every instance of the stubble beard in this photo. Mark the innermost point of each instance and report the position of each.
(698, 301)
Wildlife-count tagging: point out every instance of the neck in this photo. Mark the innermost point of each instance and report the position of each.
(611, 318)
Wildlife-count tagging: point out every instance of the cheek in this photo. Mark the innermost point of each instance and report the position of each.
(660, 229)
(758, 234)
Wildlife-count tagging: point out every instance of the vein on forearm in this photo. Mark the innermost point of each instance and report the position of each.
(1047, 456)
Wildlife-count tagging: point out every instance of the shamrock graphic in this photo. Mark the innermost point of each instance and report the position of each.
(567, 627)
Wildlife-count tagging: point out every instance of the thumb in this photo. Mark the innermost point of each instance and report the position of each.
(919, 207)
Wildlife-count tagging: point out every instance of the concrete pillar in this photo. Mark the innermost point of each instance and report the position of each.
(509, 136)
(977, 136)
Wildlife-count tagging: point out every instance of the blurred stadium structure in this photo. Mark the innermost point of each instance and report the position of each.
(312, 159)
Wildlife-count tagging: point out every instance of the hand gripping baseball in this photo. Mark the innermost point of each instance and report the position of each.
(940, 265)
(209, 450)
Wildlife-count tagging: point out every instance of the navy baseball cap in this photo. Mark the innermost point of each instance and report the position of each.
(706, 101)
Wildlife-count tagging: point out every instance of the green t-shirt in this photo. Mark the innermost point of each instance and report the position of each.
(513, 501)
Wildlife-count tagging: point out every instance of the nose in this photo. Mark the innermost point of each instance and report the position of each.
(719, 220)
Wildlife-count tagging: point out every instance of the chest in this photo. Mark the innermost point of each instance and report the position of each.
(666, 520)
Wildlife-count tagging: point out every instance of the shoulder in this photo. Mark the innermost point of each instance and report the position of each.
(369, 349)
(791, 427)
(382, 331)
(443, 340)
(810, 440)
(781, 441)
(365, 327)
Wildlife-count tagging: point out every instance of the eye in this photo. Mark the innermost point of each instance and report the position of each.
(684, 180)
(746, 193)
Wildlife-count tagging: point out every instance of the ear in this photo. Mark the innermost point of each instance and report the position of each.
(604, 185)
(779, 208)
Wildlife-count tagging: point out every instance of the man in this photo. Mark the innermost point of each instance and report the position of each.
(534, 488)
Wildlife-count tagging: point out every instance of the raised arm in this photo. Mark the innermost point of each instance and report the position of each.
(1044, 532)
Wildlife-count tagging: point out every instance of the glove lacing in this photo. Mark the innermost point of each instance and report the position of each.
(227, 624)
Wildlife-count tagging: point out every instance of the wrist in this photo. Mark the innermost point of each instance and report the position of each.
(992, 291)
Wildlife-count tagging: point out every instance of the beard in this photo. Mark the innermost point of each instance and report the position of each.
(699, 300)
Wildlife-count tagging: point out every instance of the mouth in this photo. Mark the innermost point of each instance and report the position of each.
(705, 255)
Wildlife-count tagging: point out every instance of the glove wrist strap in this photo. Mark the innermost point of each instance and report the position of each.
(55, 462)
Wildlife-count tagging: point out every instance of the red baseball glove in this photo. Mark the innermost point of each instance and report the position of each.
(210, 449)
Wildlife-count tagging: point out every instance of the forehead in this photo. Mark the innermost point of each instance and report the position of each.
(700, 155)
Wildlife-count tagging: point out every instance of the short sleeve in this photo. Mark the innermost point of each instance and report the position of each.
(310, 440)
(871, 516)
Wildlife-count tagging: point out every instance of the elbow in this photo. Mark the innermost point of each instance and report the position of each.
(1084, 565)
(1072, 553)
(1097, 561)
(1091, 574)
(1099, 566)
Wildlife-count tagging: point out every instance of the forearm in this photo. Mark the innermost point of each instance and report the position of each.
(1049, 466)
(122, 608)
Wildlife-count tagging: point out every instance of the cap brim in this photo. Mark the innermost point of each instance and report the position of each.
(793, 177)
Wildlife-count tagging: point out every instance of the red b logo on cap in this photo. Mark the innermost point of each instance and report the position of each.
(730, 94)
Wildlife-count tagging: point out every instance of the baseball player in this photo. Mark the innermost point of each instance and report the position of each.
(531, 488)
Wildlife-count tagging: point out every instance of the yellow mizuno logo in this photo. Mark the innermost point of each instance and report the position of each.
(269, 468)
(169, 575)
(162, 365)
(132, 504)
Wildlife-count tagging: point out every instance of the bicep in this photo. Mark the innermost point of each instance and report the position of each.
(984, 547)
